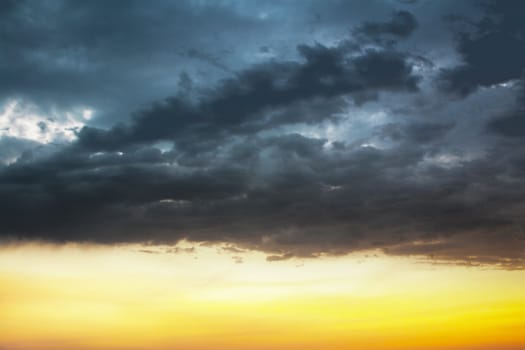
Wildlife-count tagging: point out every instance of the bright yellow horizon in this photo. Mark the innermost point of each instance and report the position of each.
(212, 297)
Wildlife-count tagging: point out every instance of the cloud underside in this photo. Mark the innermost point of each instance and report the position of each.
(240, 162)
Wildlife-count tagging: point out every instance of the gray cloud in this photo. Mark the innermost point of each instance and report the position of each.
(492, 49)
(402, 24)
(318, 144)
(236, 105)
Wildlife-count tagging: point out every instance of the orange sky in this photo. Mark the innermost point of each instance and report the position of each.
(95, 297)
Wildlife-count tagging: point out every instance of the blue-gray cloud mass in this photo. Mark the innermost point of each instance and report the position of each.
(296, 128)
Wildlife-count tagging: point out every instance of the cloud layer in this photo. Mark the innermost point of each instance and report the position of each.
(341, 134)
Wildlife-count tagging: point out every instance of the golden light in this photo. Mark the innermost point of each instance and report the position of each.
(206, 297)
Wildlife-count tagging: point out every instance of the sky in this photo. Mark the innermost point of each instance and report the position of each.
(262, 174)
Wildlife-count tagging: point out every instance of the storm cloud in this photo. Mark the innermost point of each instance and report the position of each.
(340, 135)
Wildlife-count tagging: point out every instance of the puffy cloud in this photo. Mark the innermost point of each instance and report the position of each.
(237, 106)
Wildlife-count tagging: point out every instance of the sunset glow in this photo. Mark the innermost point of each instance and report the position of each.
(58, 297)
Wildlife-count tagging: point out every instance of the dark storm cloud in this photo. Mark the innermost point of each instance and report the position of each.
(12, 147)
(113, 56)
(512, 125)
(415, 132)
(7, 6)
(331, 147)
(236, 105)
(493, 49)
(206, 57)
(288, 195)
(402, 24)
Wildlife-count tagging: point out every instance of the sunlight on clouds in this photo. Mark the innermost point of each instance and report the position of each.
(26, 128)
(87, 114)
(444, 160)
(355, 127)
(23, 120)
